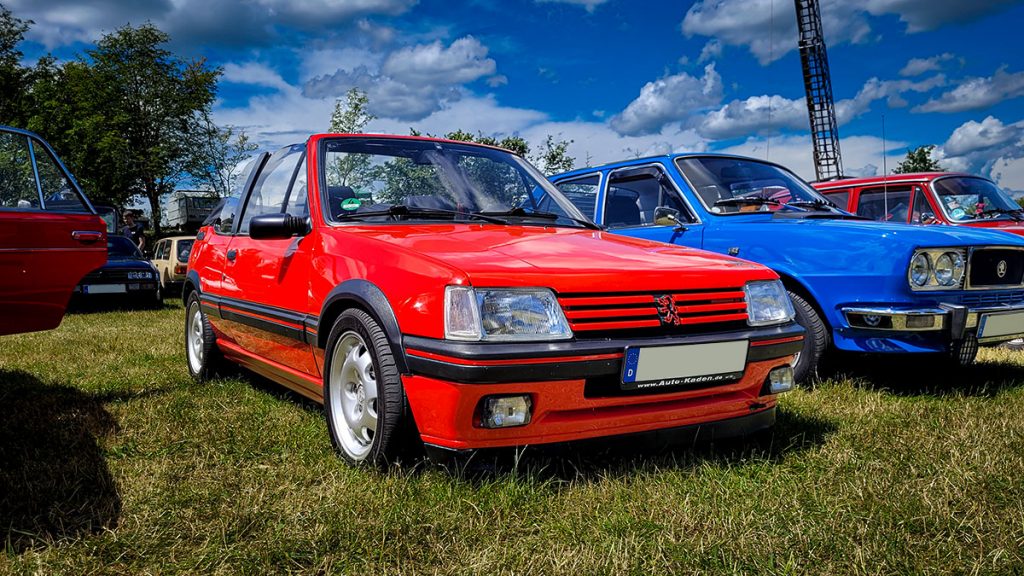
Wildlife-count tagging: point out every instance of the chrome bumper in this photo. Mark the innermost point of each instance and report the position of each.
(958, 319)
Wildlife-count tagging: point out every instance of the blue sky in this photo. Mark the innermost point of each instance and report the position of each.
(617, 77)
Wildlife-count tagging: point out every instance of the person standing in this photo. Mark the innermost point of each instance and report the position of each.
(133, 230)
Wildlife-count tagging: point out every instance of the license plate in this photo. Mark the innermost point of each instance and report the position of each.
(104, 289)
(1005, 324)
(659, 366)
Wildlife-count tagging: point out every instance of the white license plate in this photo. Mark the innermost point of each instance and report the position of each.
(1005, 324)
(104, 289)
(660, 366)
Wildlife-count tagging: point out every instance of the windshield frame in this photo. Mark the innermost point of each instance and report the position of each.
(515, 160)
(949, 217)
(677, 163)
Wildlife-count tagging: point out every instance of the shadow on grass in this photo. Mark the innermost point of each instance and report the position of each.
(54, 480)
(113, 303)
(921, 375)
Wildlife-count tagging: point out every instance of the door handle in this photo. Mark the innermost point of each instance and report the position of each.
(232, 254)
(86, 236)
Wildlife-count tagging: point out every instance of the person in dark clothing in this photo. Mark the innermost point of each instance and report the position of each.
(133, 230)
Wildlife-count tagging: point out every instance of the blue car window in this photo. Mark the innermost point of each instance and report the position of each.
(632, 201)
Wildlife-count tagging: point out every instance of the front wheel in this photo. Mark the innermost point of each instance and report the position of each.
(815, 340)
(203, 357)
(364, 402)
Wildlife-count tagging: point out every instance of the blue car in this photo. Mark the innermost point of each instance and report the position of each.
(856, 285)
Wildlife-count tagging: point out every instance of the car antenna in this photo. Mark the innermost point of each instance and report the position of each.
(885, 174)
(771, 56)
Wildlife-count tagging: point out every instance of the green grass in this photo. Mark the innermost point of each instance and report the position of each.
(113, 461)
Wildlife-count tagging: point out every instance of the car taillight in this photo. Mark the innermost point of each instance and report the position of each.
(181, 268)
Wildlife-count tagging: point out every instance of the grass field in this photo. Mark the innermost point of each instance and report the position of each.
(113, 461)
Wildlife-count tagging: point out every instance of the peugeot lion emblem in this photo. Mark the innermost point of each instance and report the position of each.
(1001, 268)
(667, 310)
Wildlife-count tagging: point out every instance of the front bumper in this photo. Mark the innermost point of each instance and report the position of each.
(946, 323)
(575, 388)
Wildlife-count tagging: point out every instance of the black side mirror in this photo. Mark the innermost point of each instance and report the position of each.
(277, 226)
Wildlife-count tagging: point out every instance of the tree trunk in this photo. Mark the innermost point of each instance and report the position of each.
(153, 195)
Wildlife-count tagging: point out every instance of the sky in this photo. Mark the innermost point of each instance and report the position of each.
(619, 78)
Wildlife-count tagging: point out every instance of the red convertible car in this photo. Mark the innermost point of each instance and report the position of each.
(50, 236)
(928, 198)
(444, 292)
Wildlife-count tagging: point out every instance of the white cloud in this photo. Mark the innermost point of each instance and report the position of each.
(711, 51)
(990, 147)
(753, 116)
(971, 136)
(918, 66)
(1008, 173)
(464, 61)
(976, 93)
(668, 99)
(862, 155)
(254, 74)
(769, 34)
(590, 5)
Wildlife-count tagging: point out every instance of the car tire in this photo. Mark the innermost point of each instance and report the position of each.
(364, 403)
(203, 358)
(815, 340)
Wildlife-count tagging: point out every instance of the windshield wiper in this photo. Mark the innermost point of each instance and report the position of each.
(520, 212)
(747, 200)
(814, 204)
(1015, 214)
(413, 212)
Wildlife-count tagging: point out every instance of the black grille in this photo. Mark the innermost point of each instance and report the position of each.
(997, 267)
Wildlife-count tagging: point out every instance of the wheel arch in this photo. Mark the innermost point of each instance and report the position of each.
(367, 297)
(190, 285)
(794, 285)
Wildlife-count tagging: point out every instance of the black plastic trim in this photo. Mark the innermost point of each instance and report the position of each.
(283, 317)
(371, 298)
(513, 372)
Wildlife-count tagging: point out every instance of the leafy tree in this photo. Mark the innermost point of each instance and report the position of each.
(14, 79)
(350, 117)
(223, 149)
(554, 156)
(129, 116)
(918, 160)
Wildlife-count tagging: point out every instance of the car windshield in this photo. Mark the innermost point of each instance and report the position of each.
(737, 185)
(401, 180)
(121, 248)
(964, 199)
(184, 249)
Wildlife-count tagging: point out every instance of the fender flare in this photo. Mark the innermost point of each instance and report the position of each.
(369, 297)
(191, 284)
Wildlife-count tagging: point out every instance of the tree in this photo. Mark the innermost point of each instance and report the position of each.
(350, 117)
(129, 116)
(17, 81)
(219, 164)
(554, 156)
(918, 160)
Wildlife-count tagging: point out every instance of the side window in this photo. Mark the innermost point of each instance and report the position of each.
(58, 193)
(298, 198)
(17, 181)
(922, 212)
(582, 192)
(841, 199)
(159, 250)
(631, 200)
(886, 205)
(271, 188)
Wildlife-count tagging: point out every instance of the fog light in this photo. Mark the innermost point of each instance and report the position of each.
(505, 411)
(780, 379)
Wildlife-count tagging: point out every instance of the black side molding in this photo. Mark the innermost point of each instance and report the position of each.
(372, 299)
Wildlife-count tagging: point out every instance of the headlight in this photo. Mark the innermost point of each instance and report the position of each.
(503, 314)
(937, 269)
(767, 303)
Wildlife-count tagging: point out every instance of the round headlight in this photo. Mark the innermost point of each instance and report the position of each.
(949, 268)
(920, 268)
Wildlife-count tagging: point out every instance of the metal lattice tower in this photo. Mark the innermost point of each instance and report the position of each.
(828, 163)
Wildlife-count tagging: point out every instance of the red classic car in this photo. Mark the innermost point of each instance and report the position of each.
(928, 198)
(447, 290)
(50, 236)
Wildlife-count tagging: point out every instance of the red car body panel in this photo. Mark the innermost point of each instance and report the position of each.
(268, 303)
(43, 256)
(852, 187)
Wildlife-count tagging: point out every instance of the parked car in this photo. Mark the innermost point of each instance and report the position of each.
(857, 285)
(928, 198)
(127, 274)
(416, 285)
(50, 236)
(170, 256)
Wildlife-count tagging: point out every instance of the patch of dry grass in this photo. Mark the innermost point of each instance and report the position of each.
(113, 461)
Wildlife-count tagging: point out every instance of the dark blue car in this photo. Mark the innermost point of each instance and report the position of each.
(857, 285)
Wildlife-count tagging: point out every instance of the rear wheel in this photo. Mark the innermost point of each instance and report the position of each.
(364, 402)
(815, 340)
(203, 357)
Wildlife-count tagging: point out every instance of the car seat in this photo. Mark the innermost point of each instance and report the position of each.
(622, 209)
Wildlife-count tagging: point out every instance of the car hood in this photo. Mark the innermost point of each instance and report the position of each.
(841, 231)
(567, 259)
(127, 265)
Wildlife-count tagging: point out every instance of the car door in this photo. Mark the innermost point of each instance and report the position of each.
(633, 195)
(50, 237)
(266, 281)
